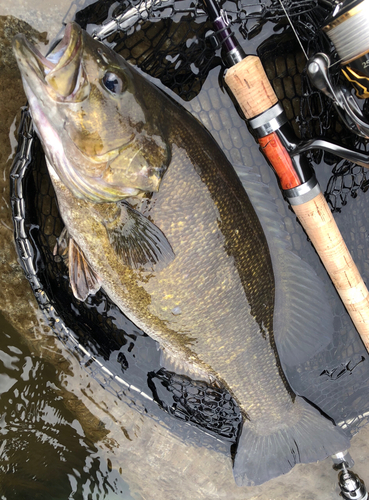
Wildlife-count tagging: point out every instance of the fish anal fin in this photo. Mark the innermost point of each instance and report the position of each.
(83, 280)
(138, 241)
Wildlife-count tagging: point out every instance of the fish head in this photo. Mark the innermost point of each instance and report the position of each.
(98, 119)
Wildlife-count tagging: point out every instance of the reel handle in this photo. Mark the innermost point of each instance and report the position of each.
(254, 93)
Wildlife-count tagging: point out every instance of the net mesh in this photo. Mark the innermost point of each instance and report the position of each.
(174, 42)
(184, 55)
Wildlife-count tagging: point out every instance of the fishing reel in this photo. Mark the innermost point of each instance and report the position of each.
(348, 29)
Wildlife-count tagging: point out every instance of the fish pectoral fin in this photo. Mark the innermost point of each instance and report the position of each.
(83, 280)
(138, 241)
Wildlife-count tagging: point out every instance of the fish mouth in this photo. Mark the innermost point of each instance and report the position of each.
(61, 72)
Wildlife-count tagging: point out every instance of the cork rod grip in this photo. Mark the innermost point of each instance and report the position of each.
(251, 87)
(319, 224)
(254, 93)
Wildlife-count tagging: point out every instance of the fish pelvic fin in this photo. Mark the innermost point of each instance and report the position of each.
(83, 280)
(306, 437)
(138, 241)
(62, 245)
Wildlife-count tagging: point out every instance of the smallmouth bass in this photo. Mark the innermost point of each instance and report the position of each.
(156, 215)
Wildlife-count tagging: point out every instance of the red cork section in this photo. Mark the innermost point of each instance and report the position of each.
(281, 162)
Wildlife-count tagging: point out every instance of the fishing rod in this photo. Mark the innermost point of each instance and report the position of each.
(247, 80)
(250, 86)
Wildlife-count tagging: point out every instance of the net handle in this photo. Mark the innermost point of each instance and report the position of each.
(254, 93)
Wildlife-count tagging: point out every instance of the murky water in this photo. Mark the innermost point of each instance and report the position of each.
(62, 435)
(44, 450)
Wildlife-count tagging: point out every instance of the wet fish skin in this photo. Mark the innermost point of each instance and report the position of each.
(162, 221)
(110, 165)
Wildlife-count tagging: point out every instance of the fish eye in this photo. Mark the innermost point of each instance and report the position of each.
(113, 83)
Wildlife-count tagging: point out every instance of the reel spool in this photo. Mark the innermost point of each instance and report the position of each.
(348, 29)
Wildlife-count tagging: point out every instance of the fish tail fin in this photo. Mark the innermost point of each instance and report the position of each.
(305, 436)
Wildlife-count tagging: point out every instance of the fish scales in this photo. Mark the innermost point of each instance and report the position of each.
(207, 286)
(157, 216)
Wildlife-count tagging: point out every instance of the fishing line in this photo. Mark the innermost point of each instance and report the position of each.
(293, 28)
(349, 32)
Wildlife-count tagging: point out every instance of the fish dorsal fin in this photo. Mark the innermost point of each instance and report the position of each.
(303, 318)
(83, 279)
(138, 241)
